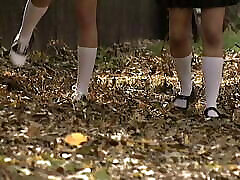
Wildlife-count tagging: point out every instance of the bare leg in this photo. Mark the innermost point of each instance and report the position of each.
(181, 48)
(86, 15)
(212, 27)
(180, 32)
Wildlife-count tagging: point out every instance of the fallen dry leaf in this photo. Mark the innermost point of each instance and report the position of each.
(135, 133)
(34, 129)
(75, 139)
(236, 115)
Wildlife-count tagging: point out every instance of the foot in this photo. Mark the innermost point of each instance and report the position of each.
(182, 102)
(212, 112)
(79, 101)
(77, 95)
(18, 53)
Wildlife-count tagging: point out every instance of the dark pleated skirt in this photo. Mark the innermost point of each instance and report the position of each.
(198, 3)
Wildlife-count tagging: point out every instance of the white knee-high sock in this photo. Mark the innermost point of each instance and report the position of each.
(86, 61)
(183, 68)
(212, 69)
(32, 16)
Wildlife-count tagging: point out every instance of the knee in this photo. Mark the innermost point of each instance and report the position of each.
(213, 37)
(179, 38)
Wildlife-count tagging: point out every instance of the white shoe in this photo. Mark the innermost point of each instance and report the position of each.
(18, 53)
(77, 95)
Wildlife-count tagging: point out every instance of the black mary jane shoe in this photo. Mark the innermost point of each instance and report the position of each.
(212, 109)
(188, 99)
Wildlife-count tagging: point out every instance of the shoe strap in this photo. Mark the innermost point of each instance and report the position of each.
(186, 98)
(182, 97)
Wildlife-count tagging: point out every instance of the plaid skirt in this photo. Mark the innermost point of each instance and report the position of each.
(198, 3)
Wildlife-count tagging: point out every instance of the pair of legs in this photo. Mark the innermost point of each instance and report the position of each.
(86, 17)
(181, 48)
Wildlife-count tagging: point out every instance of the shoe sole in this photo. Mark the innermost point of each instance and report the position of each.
(191, 100)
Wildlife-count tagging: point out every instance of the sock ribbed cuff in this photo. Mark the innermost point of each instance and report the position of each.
(212, 59)
(184, 58)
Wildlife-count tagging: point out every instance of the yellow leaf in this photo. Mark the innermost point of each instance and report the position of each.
(233, 167)
(75, 139)
(7, 73)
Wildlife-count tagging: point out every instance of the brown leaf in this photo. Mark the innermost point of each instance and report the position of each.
(236, 115)
(34, 129)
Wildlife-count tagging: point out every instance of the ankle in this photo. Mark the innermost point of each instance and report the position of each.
(186, 90)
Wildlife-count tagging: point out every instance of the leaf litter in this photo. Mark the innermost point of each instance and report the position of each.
(125, 129)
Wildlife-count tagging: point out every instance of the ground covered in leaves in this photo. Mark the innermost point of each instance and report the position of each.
(126, 129)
